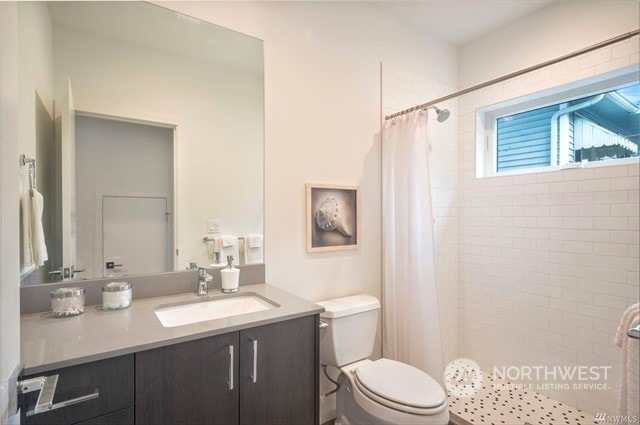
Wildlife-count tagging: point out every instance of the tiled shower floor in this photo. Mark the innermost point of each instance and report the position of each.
(511, 405)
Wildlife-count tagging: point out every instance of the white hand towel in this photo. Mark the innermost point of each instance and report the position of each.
(229, 246)
(38, 244)
(214, 243)
(629, 402)
(26, 252)
(33, 251)
(253, 249)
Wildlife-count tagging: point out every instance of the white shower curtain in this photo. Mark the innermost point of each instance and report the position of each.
(411, 321)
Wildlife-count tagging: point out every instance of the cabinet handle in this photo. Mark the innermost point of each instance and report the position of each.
(230, 381)
(254, 375)
(65, 403)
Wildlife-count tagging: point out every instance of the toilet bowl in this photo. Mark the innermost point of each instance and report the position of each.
(380, 391)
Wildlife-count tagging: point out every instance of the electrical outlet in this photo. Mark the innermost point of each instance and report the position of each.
(213, 226)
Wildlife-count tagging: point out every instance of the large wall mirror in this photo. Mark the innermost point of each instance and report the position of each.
(141, 133)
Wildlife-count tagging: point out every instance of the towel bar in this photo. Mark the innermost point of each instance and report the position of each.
(208, 239)
(31, 163)
(634, 332)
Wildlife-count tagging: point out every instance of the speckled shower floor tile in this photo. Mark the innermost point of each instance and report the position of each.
(499, 402)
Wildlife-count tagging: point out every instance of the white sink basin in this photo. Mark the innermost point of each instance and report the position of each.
(172, 315)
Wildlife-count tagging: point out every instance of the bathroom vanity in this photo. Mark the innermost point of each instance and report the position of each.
(252, 368)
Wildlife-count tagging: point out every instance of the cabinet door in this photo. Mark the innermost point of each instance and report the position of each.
(279, 373)
(193, 382)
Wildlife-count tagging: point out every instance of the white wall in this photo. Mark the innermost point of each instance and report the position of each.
(35, 61)
(322, 94)
(218, 117)
(36, 69)
(9, 259)
(548, 261)
(561, 28)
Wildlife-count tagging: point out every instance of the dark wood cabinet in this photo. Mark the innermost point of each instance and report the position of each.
(193, 382)
(279, 368)
(121, 417)
(263, 375)
(275, 378)
(111, 378)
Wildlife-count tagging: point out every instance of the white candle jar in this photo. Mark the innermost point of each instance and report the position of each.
(116, 295)
(66, 302)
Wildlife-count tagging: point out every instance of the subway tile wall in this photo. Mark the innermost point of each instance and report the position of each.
(533, 269)
(401, 90)
(548, 262)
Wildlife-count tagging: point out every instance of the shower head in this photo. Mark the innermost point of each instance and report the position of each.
(443, 114)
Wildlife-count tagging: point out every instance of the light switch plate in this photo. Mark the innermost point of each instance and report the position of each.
(213, 226)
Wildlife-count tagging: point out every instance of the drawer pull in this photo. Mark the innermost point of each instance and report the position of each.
(41, 409)
(254, 375)
(230, 381)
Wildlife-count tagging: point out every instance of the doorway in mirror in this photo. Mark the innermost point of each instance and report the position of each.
(124, 185)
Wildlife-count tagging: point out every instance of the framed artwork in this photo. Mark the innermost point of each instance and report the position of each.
(332, 217)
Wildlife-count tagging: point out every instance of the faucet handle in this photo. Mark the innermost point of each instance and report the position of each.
(203, 276)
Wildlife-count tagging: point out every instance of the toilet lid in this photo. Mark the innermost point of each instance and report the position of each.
(400, 383)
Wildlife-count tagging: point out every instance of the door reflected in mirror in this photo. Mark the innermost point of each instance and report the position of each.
(146, 127)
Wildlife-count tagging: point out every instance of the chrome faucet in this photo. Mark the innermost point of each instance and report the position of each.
(66, 272)
(203, 279)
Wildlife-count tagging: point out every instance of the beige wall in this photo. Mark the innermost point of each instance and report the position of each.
(322, 92)
(9, 259)
(35, 62)
(562, 27)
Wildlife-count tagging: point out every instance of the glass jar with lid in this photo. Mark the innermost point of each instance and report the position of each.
(66, 302)
(116, 295)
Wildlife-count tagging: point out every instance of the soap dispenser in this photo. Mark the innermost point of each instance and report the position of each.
(230, 277)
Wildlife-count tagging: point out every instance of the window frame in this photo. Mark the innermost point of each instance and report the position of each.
(487, 116)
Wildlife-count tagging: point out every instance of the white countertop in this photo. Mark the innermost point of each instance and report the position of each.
(49, 343)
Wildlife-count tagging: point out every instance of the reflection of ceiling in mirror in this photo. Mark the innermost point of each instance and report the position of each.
(164, 30)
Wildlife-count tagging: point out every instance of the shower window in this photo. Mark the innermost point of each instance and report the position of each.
(568, 128)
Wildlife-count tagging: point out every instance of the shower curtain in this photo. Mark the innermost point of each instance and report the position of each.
(411, 321)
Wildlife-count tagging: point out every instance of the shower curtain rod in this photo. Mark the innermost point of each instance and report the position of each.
(517, 73)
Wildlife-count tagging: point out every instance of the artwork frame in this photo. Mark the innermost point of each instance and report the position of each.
(332, 217)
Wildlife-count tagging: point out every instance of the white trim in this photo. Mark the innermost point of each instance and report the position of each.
(486, 116)
(571, 166)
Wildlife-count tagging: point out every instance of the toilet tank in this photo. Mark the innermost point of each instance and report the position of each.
(352, 329)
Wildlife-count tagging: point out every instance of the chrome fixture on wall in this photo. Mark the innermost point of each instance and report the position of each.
(442, 114)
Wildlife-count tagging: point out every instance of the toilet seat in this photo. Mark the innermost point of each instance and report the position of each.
(400, 386)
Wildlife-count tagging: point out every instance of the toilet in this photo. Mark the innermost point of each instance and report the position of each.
(380, 391)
